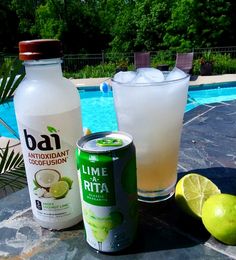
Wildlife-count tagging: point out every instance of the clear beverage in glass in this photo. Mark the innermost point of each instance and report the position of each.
(153, 113)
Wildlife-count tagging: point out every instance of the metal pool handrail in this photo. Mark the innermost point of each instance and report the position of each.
(9, 128)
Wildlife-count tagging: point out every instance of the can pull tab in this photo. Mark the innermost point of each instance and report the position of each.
(109, 141)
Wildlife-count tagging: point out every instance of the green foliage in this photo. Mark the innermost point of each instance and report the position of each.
(222, 63)
(99, 71)
(8, 28)
(7, 61)
(83, 29)
(124, 29)
(12, 169)
(163, 57)
(198, 23)
(103, 70)
(140, 25)
(26, 15)
(48, 21)
(9, 80)
(196, 66)
(123, 26)
(122, 63)
(150, 20)
(207, 57)
(178, 31)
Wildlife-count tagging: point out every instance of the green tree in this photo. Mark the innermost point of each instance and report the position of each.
(140, 25)
(76, 23)
(123, 30)
(197, 23)
(83, 31)
(150, 20)
(50, 20)
(25, 10)
(8, 28)
(107, 11)
(122, 25)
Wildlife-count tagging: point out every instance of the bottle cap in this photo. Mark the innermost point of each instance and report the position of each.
(40, 49)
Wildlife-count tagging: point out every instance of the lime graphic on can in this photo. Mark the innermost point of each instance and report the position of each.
(107, 171)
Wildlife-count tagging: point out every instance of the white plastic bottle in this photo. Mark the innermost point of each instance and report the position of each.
(49, 121)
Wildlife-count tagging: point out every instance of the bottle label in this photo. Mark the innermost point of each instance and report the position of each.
(48, 145)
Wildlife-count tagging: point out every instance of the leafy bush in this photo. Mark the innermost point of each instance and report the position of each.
(207, 57)
(196, 66)
(10, 78)
(222, 64)
(98, 71)
(163, 57)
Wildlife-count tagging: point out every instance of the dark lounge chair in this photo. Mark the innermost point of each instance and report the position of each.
(141, 59)
(184, 61)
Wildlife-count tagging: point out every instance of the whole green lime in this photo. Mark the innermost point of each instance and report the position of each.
(219, 217)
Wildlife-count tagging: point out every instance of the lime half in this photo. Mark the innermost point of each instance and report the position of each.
(192, 191)
(59, 189)
(68, 180)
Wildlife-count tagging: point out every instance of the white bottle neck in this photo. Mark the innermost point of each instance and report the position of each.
(43, 69)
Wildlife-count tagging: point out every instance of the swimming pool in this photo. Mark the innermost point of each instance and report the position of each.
(98, 111)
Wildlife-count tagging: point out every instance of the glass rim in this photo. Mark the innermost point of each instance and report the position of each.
(164, 82)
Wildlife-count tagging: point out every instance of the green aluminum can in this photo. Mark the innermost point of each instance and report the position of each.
(108, 186)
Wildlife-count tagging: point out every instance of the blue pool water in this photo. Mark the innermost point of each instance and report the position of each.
(7, 114)
(98, 112)
(213, 95)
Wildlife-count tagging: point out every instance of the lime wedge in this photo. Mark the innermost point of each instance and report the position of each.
(192, 191)
(59, 189)
(87, 131)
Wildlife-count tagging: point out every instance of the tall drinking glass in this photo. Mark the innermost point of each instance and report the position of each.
(153, 113)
